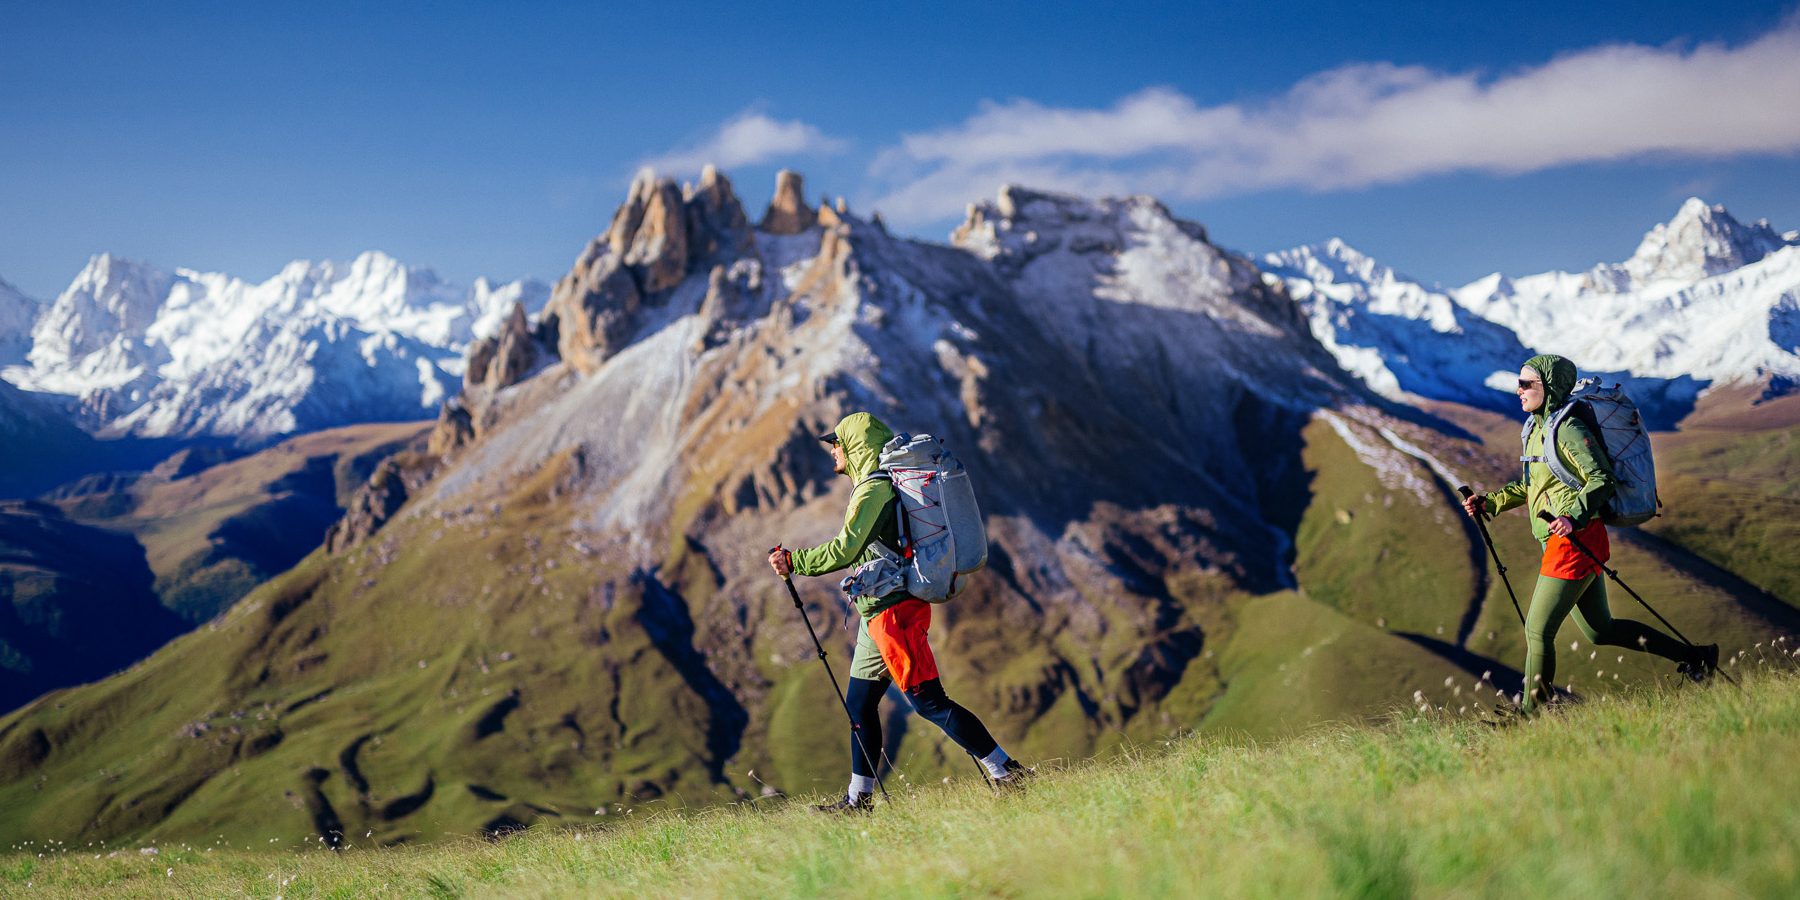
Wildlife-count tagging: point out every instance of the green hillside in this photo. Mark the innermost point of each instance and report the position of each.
(1730, 480)
(212, 533)
(1678, 791)
(468, 673)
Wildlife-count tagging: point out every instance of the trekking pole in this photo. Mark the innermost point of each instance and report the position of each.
(855, 729)
(985, 778)
(1545, 515)
(1481, 523)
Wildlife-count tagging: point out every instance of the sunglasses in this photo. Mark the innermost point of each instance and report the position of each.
(1528, 385)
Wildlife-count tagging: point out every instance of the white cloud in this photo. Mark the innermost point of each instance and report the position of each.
(1366, 124)
(747, 139)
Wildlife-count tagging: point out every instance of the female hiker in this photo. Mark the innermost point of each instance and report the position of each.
(891, 642)
(1567, 579)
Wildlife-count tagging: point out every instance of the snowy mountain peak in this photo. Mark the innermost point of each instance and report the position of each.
(1332, 262)
(111, 298)
(322, 343)
(1700, 241)
(1023, 223)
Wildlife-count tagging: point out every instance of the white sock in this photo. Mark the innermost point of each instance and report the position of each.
(861, 784)
(996, 762)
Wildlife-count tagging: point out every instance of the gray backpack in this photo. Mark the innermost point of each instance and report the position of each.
(1611, 415)
(941, 533)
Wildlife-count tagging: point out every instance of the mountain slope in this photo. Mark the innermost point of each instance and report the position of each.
(1433, 805)
(214, 527)
(17, 314)
(78, 602)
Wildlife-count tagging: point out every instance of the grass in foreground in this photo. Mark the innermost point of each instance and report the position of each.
(1679, 791)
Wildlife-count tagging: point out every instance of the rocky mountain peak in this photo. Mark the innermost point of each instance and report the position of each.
(1701, 241)
(1027, 221)
(788, 212)
(715, 217)
(112, 298)
(1332, 262)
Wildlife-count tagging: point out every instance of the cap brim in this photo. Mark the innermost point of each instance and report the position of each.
(829, 437)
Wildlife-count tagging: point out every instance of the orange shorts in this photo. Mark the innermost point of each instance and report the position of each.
(899, 633)
(1562, 560)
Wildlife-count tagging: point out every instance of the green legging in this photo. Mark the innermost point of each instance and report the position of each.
(1552, 601)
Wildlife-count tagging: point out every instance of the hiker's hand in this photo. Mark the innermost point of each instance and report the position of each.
(781, 561)
(1562, 526)
(1473, 505)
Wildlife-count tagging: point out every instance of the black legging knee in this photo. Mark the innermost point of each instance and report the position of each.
(929, 701)
(933, 705)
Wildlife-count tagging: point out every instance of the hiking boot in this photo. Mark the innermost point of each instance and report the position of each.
(846, 805)
(1502, 715)
(1704, 663)
(1017, 776)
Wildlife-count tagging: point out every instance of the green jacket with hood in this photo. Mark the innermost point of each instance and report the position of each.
(871, 513)
(1580, 451)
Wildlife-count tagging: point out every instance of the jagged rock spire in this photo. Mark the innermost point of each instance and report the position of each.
(788, 212)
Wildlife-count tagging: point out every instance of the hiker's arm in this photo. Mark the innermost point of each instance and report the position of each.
(1588, 460)
(866, 505)
(1505, 498)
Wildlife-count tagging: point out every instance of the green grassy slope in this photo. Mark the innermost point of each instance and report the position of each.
(1731, 485)
(470, 671)
(214, 535)
(1672, 792)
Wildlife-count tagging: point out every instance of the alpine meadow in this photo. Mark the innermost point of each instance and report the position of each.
(775, 548)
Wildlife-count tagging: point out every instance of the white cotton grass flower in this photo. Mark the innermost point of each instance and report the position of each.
(1574, 645)
(1449, 681)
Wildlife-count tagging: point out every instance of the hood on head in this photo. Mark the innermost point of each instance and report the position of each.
(862, 437)
(1559, 380)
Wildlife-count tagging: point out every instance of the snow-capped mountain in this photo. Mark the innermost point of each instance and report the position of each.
(155, 353)
(1705, 301)
(1397, 335)
(17, 314)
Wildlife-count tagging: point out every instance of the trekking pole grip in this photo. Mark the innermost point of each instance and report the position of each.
(1463, 489)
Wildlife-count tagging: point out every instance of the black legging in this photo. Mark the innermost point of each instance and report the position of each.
(929, 701)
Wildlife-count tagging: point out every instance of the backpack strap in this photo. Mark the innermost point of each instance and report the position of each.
(1524, 448)
(1552, 456)
(905, 550)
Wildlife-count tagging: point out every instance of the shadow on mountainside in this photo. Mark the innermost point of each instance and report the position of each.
(666, 619)
(79, 604)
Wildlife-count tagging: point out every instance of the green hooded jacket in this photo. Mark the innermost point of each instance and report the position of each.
(1579, 449)
(871, 513)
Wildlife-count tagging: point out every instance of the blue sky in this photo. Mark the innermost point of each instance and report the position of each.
(488, 139)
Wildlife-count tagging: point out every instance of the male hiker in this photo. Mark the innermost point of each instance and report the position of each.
(890, 640)
(1567, 578)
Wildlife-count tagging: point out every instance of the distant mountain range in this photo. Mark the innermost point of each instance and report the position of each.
(143, 352)
(1706, 300)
